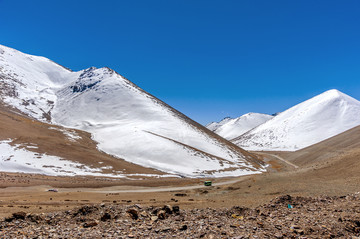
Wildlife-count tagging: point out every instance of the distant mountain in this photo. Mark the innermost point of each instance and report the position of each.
(124, 120)
(305, 124)
(230, 128)
(215, 125)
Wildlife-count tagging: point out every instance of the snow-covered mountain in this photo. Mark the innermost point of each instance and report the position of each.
(126, 121)
(215, 125)
(229, 128)
(307, 123)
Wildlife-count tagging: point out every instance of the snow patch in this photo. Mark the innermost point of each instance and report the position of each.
(69, 133)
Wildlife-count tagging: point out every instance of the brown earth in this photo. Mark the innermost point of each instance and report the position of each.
(327, 150)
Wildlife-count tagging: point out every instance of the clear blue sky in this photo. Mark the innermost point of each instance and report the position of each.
(208, 59)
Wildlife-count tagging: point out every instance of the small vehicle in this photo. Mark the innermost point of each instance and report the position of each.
(53, 190)
(207, 183)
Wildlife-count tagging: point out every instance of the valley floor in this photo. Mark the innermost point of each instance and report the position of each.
(321, 187)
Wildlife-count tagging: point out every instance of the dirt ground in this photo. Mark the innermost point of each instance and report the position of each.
(331, 177)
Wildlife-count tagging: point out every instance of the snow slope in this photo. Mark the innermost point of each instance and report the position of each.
(126, 121)
(307, 123)
(231, 128)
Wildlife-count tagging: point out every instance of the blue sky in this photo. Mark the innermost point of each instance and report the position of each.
(208, 59)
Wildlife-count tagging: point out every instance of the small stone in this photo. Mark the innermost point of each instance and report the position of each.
(161, 214)
(180, 194)
(90, 224)
(293, 226)
(183, 228)
(19, 215)
(106, 217)
(144, 214)
(176, 209)
(8, 219)
(168, 209)
(133, 213)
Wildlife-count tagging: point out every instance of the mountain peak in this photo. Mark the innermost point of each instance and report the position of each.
(232, 128)
(334, 93)
(304, 124)
(124, 120)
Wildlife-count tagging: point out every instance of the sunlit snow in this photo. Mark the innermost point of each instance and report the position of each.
(305, 124)
(126, 121)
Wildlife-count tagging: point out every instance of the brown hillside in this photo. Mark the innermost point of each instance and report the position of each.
(51, 140)
(333, 148)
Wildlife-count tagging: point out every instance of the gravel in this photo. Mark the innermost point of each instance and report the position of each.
(283, 217)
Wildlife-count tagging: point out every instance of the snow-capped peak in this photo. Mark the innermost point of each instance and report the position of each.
(126, 121)
(232, 128)
(334, 94)
(214, 125)
(307, 123)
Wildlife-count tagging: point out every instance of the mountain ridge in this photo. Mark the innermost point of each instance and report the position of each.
(104, 103)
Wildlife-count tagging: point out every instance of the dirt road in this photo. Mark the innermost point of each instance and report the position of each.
(121, 189)
(279, 158)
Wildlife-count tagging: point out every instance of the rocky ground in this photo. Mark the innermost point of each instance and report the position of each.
(283, 217)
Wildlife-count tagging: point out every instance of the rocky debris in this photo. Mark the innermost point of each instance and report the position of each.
(321, 217)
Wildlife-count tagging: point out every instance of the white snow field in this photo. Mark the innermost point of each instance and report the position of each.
(305, 124)
(126, 121)
(230, 128)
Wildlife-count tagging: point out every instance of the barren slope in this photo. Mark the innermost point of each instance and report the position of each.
(342, 145)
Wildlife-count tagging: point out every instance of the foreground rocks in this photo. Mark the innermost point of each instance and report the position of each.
(283, 217)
